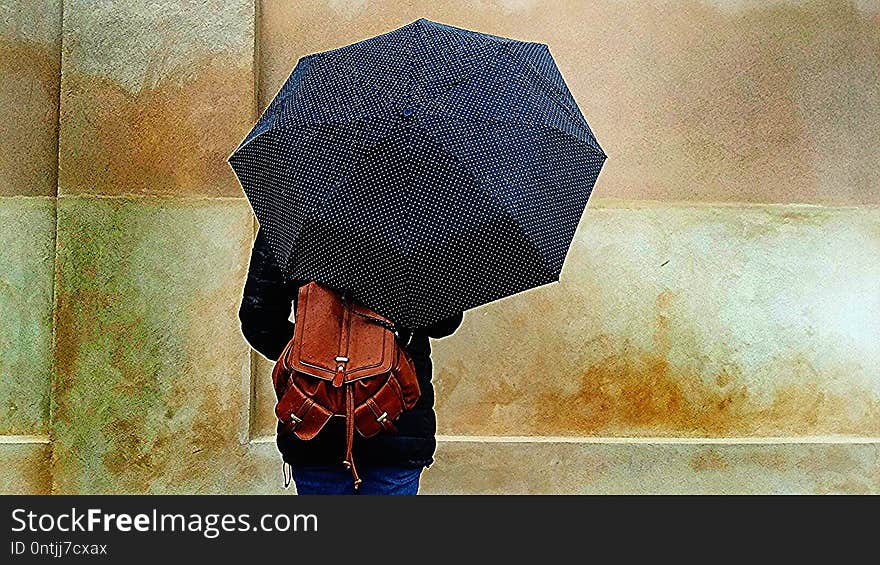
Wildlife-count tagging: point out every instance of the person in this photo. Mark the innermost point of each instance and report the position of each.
(387, 463)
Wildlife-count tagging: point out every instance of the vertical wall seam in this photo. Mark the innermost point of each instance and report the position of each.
(53, 370)
(258, 95)
(252, 361)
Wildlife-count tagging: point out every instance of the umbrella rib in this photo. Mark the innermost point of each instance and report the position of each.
(278, 130)
(473, 72)
(595, 149)
(482, 186)
(408, 242)
(305, 125)
(339, 182)
(557, 94)
(409, 227)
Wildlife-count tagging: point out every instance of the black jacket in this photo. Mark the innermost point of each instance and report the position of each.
(266, 306)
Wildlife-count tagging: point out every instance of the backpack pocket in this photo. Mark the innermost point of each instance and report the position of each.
(377, 412)
(300, 414)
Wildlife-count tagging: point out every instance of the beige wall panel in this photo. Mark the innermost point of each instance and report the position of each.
(30, 52)
(746, 101)
(682, 321)
(155, 95)
(753, 330)
(151, 387)
(27, 258)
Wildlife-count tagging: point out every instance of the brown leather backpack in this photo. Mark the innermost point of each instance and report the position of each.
(343, 360)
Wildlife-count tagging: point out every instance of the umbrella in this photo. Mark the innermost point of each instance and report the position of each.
(427, 170)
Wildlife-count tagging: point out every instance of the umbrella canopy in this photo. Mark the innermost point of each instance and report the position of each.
(428, 170)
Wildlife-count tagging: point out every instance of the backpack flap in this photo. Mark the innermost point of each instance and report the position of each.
(370, 346)
(324, 333)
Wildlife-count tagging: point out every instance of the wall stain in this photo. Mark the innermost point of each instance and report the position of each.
(769, 459)
(171, 138)
(629, 391)
(709, 460)
(25, 469)
(29, 102)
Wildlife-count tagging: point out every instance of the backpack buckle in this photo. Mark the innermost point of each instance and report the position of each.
(338, 378)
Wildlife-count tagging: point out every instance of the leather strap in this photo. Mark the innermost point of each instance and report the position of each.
(342, 357)
(349, 433)
(378, 414)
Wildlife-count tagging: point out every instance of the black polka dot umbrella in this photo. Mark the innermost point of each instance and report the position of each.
(428, 170)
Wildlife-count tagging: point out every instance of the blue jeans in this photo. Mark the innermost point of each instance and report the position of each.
(336, 479)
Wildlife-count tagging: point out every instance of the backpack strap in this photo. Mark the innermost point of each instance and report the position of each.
(393, 328)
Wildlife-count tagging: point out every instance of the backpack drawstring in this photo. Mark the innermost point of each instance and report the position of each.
(339, 380)
(349, 433)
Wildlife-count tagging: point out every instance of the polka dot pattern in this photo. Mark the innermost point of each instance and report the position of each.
(428, 170)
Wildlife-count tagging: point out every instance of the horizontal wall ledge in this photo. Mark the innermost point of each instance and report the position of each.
(807, 440)
(151, 198)
(610, 466)
(640, 203)
(17, 440)
(663, 467)
(662, 440)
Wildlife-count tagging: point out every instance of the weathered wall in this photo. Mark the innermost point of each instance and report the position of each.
(717, 327)
(707, 100)
(30, 43)
(30, 64)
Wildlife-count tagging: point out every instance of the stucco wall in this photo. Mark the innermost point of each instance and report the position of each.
(716, 329)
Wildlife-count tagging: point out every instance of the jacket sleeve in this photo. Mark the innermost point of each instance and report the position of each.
(444, 327)
(266, 303)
